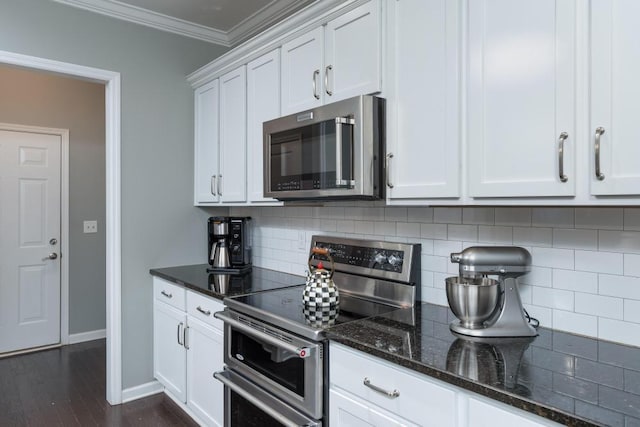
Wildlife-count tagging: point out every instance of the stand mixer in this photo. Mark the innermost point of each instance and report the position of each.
(486, 307)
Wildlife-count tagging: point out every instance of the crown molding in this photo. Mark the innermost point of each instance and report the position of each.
(137, 15)
(308, 18)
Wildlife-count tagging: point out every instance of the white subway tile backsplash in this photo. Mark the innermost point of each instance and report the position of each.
(619, 241)
(433, 231)
(598, 305)
(632, 265)
(551, 257)
(553, 298)
(599, 262)
(462, 232)
(632, 219)
(538, 276)
(575, 323)
(420, 214)
(447, 215)
(513, 216)
(575, 239)
(619, 286)
(585, 276)
(542, 237)
(578, 281)
(599, 218)
(493, 234)
(632, 311)
(552, 217)
(477, 216)
(619, 331)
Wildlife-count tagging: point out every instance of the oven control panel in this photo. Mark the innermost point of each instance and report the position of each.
(367, 257)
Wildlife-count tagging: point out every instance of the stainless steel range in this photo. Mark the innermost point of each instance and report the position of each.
(276, 357)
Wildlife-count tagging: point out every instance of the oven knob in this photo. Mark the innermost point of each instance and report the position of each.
(394, 260)
(380, 258)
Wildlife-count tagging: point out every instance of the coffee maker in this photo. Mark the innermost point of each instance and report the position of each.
(229, 243)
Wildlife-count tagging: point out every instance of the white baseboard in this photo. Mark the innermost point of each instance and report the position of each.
(142, 390)
(87, 336)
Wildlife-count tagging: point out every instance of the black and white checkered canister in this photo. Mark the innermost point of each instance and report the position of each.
(320, 292)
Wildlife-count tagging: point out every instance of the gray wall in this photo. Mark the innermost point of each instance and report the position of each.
(39, 99)
(160, 227)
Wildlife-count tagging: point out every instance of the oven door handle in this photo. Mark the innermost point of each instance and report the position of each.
(259, 398)
(302, 352)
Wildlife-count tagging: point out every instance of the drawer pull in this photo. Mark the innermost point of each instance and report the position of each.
(391, 394)
(205, 312)
(166, 294)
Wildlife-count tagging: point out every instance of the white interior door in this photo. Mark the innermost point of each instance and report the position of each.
(29, 220)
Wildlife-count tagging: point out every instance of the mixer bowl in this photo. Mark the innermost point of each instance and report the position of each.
(472, 300)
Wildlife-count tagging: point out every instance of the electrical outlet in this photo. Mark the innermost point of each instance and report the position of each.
(302, 240)
(90, 226)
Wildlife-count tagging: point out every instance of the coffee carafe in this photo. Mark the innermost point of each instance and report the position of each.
(219, 248)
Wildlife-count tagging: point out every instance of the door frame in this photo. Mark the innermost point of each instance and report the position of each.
(111, 80)
(64, 216)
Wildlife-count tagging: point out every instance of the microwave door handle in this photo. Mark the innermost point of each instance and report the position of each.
(340, 182)
(301, 352)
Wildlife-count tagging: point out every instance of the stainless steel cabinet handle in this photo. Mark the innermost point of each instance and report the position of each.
(205, 312)
(52, 255)
(561, 139)
(180, 325)
(185, 338)
(314, 85)
(391, 394)
(213, 184)
(219, 185)
(166, 294)
(599, 132)
(386, 168)
(326, 79)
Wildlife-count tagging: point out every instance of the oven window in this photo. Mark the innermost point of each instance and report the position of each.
(283, 367)
(246, 414)
(305, 158)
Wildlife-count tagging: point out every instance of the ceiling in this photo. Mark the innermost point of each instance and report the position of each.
(223, 22)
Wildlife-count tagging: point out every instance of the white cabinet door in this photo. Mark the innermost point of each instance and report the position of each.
(206, 143)
(615, 67)
(233, 142)
(353, 54)
(489, 414)
(169, 355)
(204, 357)
(347, 411)
(263, 103)
(301, 72)
(423, 103)
(521, 97)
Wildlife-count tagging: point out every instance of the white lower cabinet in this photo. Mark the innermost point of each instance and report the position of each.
(368, 391)
(188, 349)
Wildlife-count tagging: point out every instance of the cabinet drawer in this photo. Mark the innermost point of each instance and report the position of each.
(418, 398)
(169, 293)
(202, 308)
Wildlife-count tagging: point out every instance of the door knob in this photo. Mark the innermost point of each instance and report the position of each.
(53, 241)
(52, 255)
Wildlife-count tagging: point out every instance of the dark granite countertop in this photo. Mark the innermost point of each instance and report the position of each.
(570, 379)
(197, 278)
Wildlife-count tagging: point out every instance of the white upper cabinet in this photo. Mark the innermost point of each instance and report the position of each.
(263, 103)
(521, 98)
(615, 91)
(233, 143)
(328, 65)
(423, 108)
(206, 143)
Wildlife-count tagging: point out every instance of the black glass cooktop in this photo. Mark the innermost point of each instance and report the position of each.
(284, 308)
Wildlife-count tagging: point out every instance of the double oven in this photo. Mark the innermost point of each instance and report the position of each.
(277, 358)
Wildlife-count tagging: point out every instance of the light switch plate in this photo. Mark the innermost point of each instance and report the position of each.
(90, 226)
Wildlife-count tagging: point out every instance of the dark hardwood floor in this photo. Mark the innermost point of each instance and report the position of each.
(66, 387)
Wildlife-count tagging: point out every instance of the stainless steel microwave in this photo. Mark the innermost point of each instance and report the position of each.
(335, 151)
